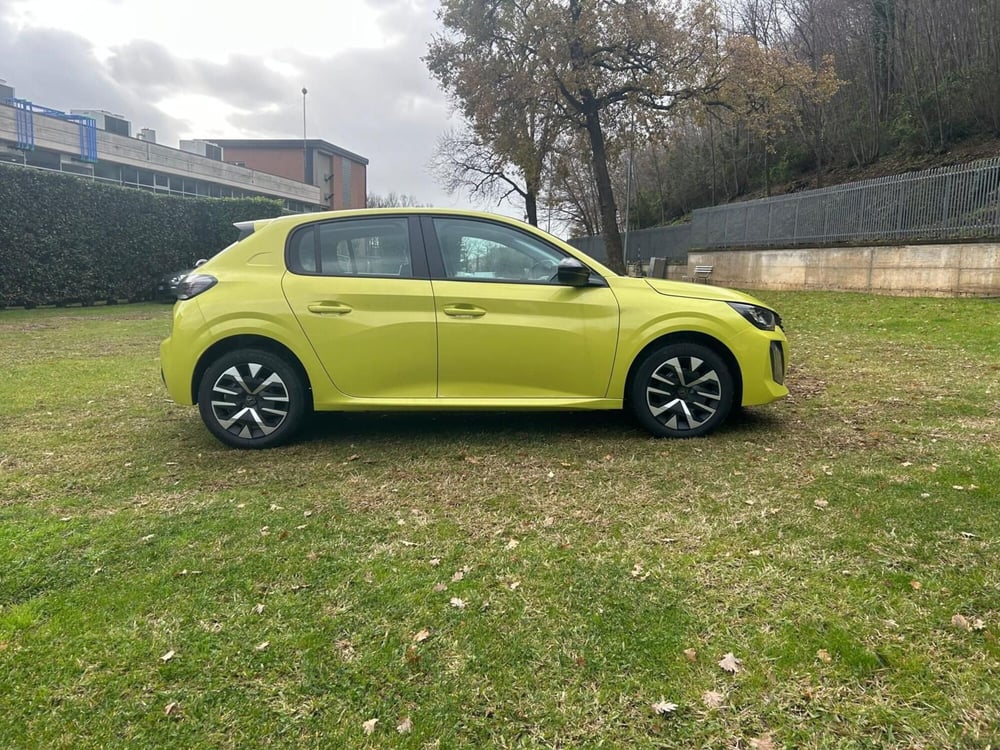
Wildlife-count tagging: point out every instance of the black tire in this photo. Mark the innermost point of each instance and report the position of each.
(250, 398)
(682, 391)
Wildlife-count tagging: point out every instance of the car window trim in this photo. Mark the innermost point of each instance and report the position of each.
(435, 260)
(418, 252)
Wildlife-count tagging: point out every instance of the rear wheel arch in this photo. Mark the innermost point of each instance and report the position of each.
(689, 337)
(249, 341)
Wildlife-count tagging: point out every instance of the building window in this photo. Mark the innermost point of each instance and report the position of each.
(345, 195)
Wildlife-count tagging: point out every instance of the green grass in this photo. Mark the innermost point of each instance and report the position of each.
(827, 541)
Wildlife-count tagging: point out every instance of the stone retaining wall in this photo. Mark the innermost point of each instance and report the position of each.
(971, 269)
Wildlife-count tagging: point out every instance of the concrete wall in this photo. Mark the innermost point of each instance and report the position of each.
(971, 269)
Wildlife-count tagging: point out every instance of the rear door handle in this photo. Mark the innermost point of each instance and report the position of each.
(329, 308)
(464, 311)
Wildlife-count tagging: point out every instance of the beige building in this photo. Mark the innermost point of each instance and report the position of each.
(99, 145)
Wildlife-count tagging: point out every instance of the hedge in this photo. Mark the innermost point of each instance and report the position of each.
(67, 240)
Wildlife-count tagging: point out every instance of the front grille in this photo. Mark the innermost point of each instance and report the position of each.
(777, 362)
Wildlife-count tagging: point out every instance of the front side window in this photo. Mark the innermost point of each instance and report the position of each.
(352, 247)
(480, 250)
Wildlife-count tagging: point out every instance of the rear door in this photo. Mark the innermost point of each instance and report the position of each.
(359, 288)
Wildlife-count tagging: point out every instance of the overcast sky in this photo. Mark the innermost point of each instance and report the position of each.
(233, 69)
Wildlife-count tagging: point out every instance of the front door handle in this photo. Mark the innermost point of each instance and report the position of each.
(329, 308)
(464, 311)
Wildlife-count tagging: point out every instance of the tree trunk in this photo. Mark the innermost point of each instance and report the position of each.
(605, 192)
(531, 205)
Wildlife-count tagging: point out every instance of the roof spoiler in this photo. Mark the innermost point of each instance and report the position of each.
(246, 229)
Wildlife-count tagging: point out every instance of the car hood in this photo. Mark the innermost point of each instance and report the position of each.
(700, 291)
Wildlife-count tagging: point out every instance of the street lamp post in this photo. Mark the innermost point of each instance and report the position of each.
(305, 147)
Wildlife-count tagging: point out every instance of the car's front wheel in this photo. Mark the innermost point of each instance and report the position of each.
(250, 398)
(682, 390)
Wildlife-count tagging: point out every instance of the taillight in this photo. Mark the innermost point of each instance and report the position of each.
(194, 284)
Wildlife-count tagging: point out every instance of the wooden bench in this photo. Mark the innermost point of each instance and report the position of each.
(700, 275)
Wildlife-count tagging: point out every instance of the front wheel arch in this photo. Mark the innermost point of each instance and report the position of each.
(247, 341)
(689, 337)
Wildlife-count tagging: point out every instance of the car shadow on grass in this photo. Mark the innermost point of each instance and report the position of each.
(611, 426)
(461, 426)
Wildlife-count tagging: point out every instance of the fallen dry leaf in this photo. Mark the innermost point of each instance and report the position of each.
(435, 561)
(259, 609)
(168, 656)
(824, 656)
(762, 743)
(421, 636)
(978, 624)
(262, 646)
(691, 654)
(369, 726)
(960, 622)
(663, 708)
(915, 585)
(439, 587)
(457, 576)
(712, 699)
(512, 544)
(405, 726)
(514, 585)
(457, 603)
(412, 655)
(730, 663)
(172, 709)
(820, 503)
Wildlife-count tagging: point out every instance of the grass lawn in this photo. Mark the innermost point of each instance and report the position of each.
(507, 580)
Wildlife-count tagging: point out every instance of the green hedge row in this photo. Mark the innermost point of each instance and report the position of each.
(68, 240)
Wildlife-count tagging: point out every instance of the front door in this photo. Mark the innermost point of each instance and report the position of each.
(506, 328)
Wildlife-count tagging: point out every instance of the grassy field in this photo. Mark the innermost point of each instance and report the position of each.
(508, 580)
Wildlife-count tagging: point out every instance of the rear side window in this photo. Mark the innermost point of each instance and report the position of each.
(351, 247)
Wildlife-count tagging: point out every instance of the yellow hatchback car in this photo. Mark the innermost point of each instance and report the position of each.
(394, 309)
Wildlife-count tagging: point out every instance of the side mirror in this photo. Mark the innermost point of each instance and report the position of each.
(572, 272)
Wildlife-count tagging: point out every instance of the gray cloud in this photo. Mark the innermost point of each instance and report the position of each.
(59, 70)
(242, 81)
(379, 103)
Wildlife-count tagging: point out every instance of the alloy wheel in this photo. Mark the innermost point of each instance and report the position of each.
(683, 393)
(249, 400)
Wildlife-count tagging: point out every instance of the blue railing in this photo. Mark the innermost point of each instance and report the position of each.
(25, 118)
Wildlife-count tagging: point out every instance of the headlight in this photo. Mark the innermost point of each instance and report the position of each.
(761, 317)
(194, 284)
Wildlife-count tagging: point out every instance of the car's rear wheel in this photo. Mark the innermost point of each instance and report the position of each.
(250, 398)
(682, 390)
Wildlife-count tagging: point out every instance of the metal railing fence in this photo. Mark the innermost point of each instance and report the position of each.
(955, 203)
